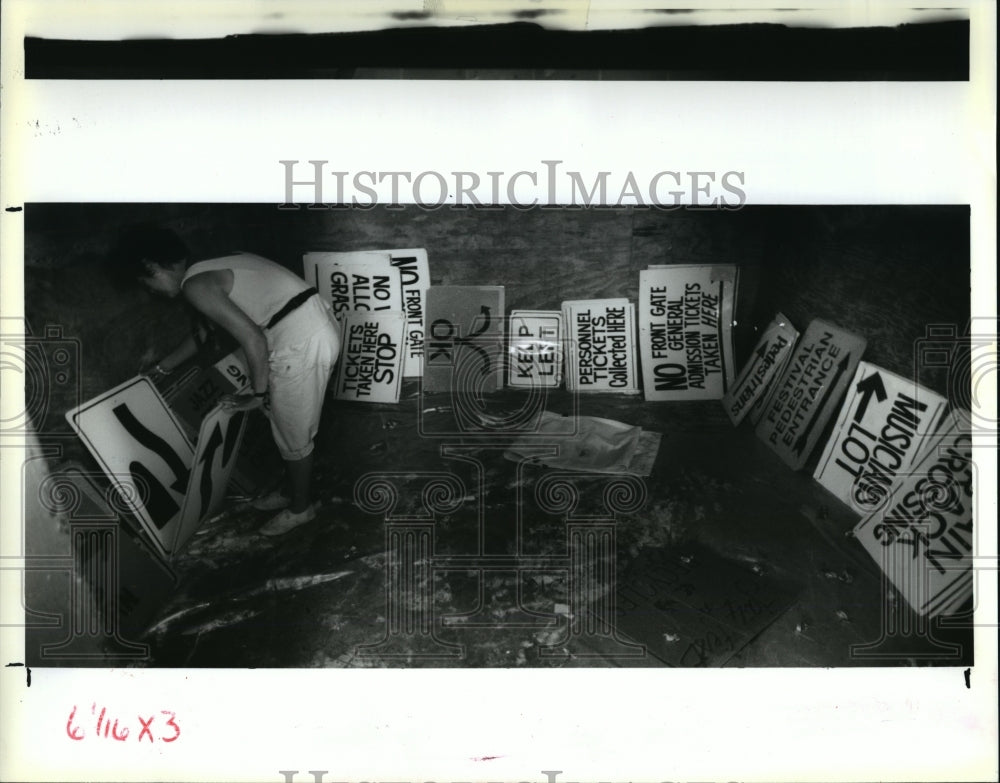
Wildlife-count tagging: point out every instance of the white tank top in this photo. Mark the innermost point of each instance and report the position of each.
(260, 289)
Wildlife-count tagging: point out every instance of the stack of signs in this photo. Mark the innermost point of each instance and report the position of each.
(194, 398)
(371, 360)
(766, 362)
(218, 445)
(535, 349)
(922, 537)
(465, 339)
(685, 331)
(883, 427)
(142, 448)
(808, 392)
(600, 354)
(376, 289)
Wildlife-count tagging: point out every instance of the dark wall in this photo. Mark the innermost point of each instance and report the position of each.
(884, 272)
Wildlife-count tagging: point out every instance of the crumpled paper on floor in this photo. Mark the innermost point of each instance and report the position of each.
(590, 444)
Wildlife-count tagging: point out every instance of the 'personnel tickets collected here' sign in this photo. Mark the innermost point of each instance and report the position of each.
(884, 424)
(809, 391)
(685, 330)
(765, 364)
(371, 358)
(142, 448)
(535, 351)
(464, 348)
(922, 537)
(600, 348)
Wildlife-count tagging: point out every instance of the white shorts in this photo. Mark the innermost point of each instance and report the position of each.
(299, 375)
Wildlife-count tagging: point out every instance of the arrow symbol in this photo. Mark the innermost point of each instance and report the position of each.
(872, 385)
(484, 311)
(154, 443)
(484, 324)
(800, 444)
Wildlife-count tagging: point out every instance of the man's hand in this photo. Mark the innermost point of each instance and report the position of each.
(240, 402)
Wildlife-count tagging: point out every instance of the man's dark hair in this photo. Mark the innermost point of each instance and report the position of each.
(141, 244)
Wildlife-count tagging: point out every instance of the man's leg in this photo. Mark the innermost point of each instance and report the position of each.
(299, 480)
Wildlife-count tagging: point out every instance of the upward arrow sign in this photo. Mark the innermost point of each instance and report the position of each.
(800, 444)
(872, 385)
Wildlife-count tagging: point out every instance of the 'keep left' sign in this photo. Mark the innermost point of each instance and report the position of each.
(685, 330)
(884, 424)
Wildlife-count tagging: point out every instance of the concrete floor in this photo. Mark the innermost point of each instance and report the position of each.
(317, 597)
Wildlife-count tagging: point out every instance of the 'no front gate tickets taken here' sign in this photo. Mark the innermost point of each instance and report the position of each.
(685, 330)
(923, 536)
(764, 365)
(600, 350)
(808, 392)
(884, 424)
(371, 359)
(535, 352)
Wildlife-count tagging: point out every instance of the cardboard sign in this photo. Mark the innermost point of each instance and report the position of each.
(600, 353)
(363, 280)
(922, 537)
(535, 351)
(215, 455)
(685, 331)
(136, 440)
(415, 276)
(371, 360)
(808, 392)
(883, 426)
(465, 339)
(768, 358)
(757, 408)
(194, 398)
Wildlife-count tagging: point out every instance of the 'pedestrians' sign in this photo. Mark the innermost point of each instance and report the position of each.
(765, 364)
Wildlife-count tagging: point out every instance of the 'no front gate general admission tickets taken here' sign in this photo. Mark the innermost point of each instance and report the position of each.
(808, 392)
(685, 330)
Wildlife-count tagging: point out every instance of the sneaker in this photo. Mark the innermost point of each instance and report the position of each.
(287, 520)
(274, 501)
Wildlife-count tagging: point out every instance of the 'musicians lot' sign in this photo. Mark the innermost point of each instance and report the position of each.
(600, 353)
(922, 536)
(808, 392)
(766, 362)
(884, 424)
(685, 330)
(370, 366)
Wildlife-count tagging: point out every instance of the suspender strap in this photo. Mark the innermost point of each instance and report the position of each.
(290, 305)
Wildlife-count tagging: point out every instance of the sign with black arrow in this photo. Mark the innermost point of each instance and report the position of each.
(215, 456)
(883, 425)
(600, 351)
(809, 390)
(142, 448)
(765, 363)
(464, 343)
